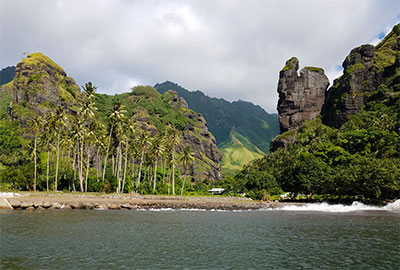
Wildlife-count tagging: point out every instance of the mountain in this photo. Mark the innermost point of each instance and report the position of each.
(243, 131)
(7, 75)
(41, 87)
(347, 145)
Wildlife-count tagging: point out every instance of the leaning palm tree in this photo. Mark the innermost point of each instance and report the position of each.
(175, 139)
(186, 157)
(117, 114)
(36, 125)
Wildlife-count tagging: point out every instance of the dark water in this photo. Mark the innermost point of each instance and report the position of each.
(73, 239)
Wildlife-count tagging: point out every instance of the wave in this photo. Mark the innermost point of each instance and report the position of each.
(340, 208)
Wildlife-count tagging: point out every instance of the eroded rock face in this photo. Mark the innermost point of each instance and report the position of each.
(346, 96)
(39, 85)
(300, 97)
(207, 156)
(207, 164)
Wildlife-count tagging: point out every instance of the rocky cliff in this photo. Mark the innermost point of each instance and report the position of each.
(371, 74)
(300, 97)
(39, 85)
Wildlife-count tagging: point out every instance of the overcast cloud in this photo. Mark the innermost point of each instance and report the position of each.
(229, 49)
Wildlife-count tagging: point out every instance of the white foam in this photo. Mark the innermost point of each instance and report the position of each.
(394, 206)
(340, 208)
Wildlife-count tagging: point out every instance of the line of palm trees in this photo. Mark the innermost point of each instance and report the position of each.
(82, 147)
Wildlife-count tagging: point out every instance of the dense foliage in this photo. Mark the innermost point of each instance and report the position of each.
(118, 143)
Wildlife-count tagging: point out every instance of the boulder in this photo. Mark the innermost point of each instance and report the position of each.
(113, 206)
(88, 205)
(55, 205)
(46, 204)
(15, 204)
(25, 205)
(77, 205)
(37, 204)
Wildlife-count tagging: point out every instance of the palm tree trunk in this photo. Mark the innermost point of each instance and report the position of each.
(81, 165)
(34, 153)
(184, 179)
(140, 168)
(155, 176)
(173, 173)
(74, 168)
(48, 168)
(97, 163)
(105, 158)
(58, 158)
(133, 171)
(87, 167)
(119, 165)
(126, 163)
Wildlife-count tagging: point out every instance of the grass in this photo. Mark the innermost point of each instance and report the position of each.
(235, 155)
(315, 69)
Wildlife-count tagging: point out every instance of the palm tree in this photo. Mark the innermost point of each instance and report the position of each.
(117, 114)
(143, 141)
(87, 113)
(36, 125)
(186, 156)
(175, 140)
(58, 123)
(157, 150)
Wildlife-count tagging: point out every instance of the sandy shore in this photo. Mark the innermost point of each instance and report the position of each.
(42, 200)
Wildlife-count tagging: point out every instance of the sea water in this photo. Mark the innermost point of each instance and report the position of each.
(315, 236)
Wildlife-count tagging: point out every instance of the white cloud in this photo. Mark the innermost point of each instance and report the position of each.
(229, 49)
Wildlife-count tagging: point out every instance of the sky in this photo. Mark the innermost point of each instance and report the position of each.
(231, 49)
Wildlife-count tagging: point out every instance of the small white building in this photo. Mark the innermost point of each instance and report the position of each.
(216, 191)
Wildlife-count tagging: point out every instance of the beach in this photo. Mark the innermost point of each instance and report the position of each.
(42, 200)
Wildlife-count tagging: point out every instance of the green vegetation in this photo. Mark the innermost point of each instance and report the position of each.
(146, 91)
(7, 75)
(314, 69)
(288, 65)
(235, 154)
(120, 143)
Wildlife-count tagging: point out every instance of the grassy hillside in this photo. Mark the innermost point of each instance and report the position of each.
(237, 153)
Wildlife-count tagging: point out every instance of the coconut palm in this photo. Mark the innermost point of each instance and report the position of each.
(186, 157)
(36, 125)
(143, 142)
(58, 122)
(157, 150)
(175, 139)
(117, 114)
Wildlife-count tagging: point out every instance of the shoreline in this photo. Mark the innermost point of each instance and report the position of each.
(62, 201)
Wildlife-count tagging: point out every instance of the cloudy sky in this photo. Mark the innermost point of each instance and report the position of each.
(232, 49)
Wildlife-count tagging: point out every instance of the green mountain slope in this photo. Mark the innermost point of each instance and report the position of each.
(7, 75)
(225, 118)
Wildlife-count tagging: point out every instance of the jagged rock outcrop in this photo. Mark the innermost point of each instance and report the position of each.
(371, 74)
(39, 85)
(346, 96)
(367, 69)
(300, 97)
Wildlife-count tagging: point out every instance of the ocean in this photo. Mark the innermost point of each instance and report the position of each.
(316, 236)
